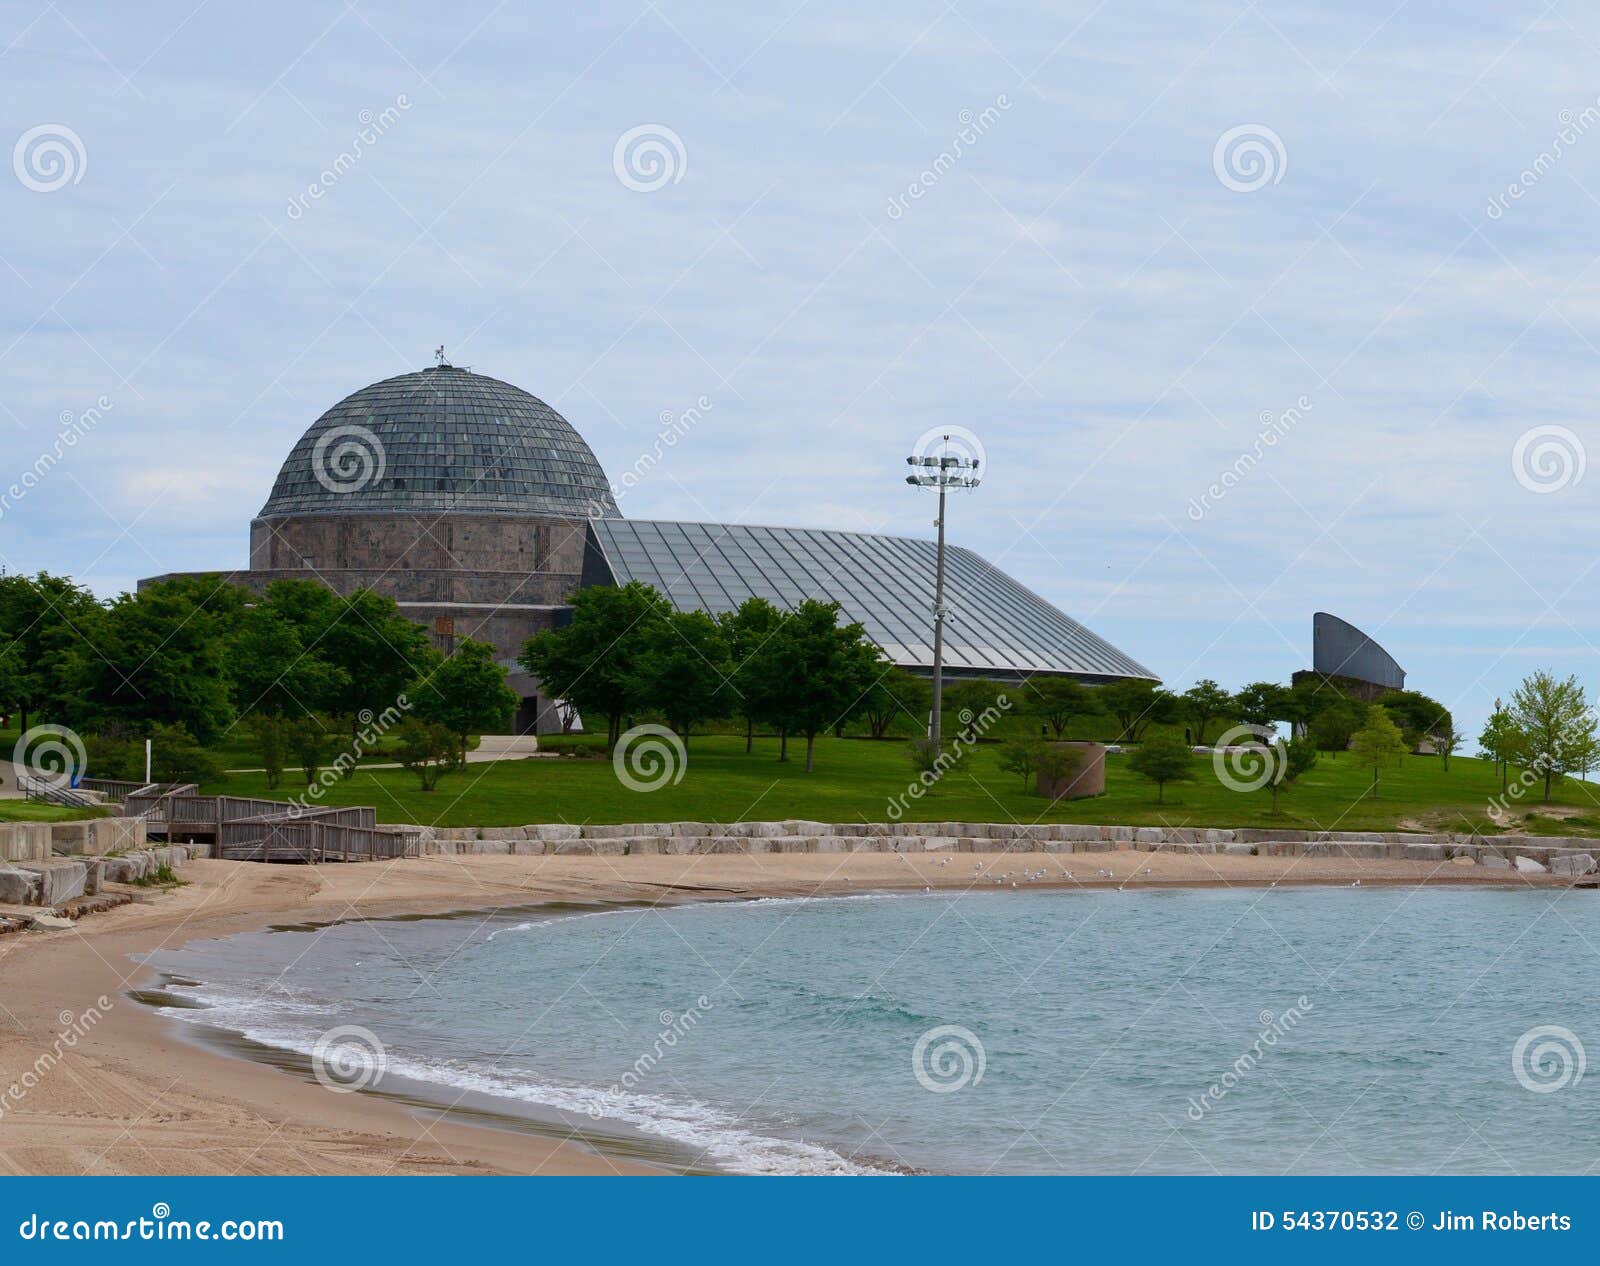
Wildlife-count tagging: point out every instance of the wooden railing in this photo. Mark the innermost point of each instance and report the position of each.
(245, 828)
(113, 788)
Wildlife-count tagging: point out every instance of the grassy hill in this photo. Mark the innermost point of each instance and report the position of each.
(856, 780)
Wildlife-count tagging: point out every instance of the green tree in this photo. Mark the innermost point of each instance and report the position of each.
(379, 651)
(744, 632)
(1446, 742)
(271, 733)
(1418, 716)
(683, 670)
(1290, 760)
(175, 756)
(427, 749)
(590, 662)
(1501, 741)
(817, 672)
(1333, 726)
(160, 657)
(1262, 702)
(1202, 703)
(896, 693)
(271, 670)
(1057, 700)
(1164, 758)
(466, 693)
(1136, 704)
(1378, 742)
(1021, 756)
(1057, 761)
(48, 625)
(308, 742)
(967, 701)
(1557, 725)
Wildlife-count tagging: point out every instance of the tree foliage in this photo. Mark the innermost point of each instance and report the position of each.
(591, 661)
(466, 693)
(896, 695)
(1164, 758)
(1378, 742)
(1556, 726)
(1203, 703)
(1136, 704)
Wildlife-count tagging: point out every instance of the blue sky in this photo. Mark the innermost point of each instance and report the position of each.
(1114, 305)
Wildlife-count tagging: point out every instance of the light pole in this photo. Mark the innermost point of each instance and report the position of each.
(946, 472)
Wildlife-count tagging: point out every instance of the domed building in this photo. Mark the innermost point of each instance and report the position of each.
(480, 510)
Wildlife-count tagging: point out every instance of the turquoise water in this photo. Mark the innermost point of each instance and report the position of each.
(1073, 1031)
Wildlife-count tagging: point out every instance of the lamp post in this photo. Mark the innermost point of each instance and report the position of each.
(942, 472)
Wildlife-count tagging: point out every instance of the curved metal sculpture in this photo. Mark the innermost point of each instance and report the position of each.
(1339, 649)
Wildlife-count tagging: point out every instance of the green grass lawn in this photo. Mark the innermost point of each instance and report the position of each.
(855, 780)
(38, 811)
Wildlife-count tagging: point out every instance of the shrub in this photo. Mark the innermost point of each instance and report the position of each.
(175, 756)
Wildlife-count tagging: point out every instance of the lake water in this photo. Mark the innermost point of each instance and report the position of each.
(1307, 1030)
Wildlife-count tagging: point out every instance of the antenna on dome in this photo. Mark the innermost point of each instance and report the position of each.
(438, 356)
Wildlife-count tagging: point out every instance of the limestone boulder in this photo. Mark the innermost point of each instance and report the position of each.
(1527, 866)
(1572, 864)
(18, 887)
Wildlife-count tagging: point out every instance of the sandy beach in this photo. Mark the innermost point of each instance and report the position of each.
(128, 1095)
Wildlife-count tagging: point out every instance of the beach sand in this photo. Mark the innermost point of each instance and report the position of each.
(129, 1095)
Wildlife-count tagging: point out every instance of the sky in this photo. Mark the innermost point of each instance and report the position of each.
(1252, 310)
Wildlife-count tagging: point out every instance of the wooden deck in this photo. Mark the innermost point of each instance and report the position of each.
(243, 828)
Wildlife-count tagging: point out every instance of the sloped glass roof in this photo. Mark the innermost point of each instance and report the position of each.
(993, 624)
(441, 440)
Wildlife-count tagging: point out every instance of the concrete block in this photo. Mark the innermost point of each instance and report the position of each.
(1493, 861)
(554, 832)
(19, 887)
(59, 880)
(1424, 852)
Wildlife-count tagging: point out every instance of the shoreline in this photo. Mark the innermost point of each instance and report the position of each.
(124, 1091)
